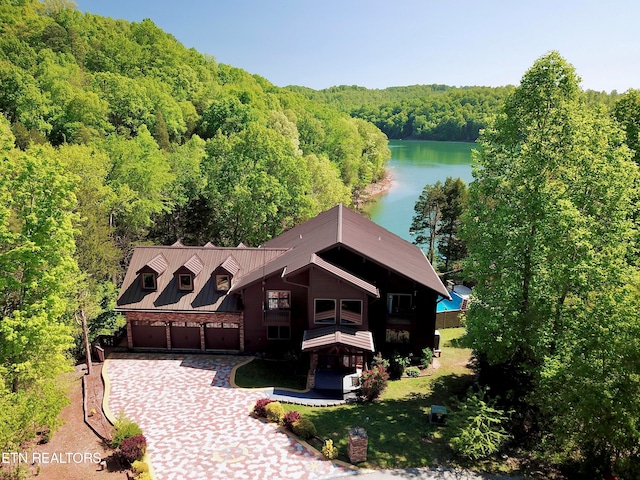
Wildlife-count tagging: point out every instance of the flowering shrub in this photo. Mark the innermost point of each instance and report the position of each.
(274, 412)
(133, 448)
(329, 451)
(259, 407)
(290, 418)
(373, 382)
(304, 428)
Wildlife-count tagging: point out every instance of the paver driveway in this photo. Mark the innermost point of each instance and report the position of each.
(198, 427)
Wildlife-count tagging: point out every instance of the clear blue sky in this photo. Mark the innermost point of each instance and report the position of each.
(378, 44)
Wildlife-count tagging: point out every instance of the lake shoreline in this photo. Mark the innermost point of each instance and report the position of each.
(380, 187)
(390, 202)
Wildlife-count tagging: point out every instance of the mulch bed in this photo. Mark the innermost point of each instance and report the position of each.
(93, 394)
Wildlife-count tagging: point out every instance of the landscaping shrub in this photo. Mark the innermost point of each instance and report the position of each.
(133, 448)
(275, 412)
(372, 383)
(139, 467)
(378, 361)
(329, 451)
(476, 427)
(413, 372)
(259, 407)
(304, 428)
(124, 428)
(427, 356)
(290, 418)
(397, 366)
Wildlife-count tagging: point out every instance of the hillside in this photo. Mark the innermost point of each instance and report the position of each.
(425, 112)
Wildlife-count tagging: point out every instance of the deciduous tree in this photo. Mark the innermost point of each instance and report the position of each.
(547, 230)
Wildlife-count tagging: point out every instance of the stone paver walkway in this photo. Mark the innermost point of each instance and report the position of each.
(198, 427)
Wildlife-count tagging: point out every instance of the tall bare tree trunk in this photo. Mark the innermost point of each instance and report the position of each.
(85, 336)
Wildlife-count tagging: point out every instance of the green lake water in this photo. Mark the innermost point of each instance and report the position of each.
(414, 164)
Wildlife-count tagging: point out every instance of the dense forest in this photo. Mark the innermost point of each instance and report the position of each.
(427, 112)
(114, 134)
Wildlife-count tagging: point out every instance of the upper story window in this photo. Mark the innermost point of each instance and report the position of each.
(223, 283)
(149, 281)
(278, 299)
(185, 281)
(351, 312)
(399, 303)
(324, 311)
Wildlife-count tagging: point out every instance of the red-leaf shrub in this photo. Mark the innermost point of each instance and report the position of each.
(259, 407)
(373, 382)
(290, 418)
(133, 448)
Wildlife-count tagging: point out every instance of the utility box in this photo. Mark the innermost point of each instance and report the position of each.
(436, 343)
(438, 415)
(358, 444)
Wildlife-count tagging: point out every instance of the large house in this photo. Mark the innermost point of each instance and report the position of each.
(338, 287)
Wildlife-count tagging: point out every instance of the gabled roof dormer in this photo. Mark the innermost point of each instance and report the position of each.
(224, 273)
(185, 275)
(150, 272)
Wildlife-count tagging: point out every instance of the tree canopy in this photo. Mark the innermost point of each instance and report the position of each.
(113, 134)
(549, 230)
(426, 112)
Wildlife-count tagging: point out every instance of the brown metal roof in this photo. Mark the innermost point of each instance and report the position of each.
(336, 335)
(342, 226)
(344, 275)
(158, 264)
(231, 265)
(194, 265)
(204, 296)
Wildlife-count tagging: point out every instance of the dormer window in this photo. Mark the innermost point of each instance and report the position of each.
(149, 281)
(223, 282)
(151, 271)
(224, 274)
(185, 281)
(185, 275)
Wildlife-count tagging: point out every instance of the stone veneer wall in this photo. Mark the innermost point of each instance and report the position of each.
(201, 318)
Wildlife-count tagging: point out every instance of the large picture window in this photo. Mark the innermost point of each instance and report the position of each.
(399, 303)
(278, 299)
(351, 312)
(324, 311)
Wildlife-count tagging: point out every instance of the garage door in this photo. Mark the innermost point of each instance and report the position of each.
(222, 336)
(149, 334)
(185, 335)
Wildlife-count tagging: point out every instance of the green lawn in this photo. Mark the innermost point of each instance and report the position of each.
(397, 425)
(261, 373)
